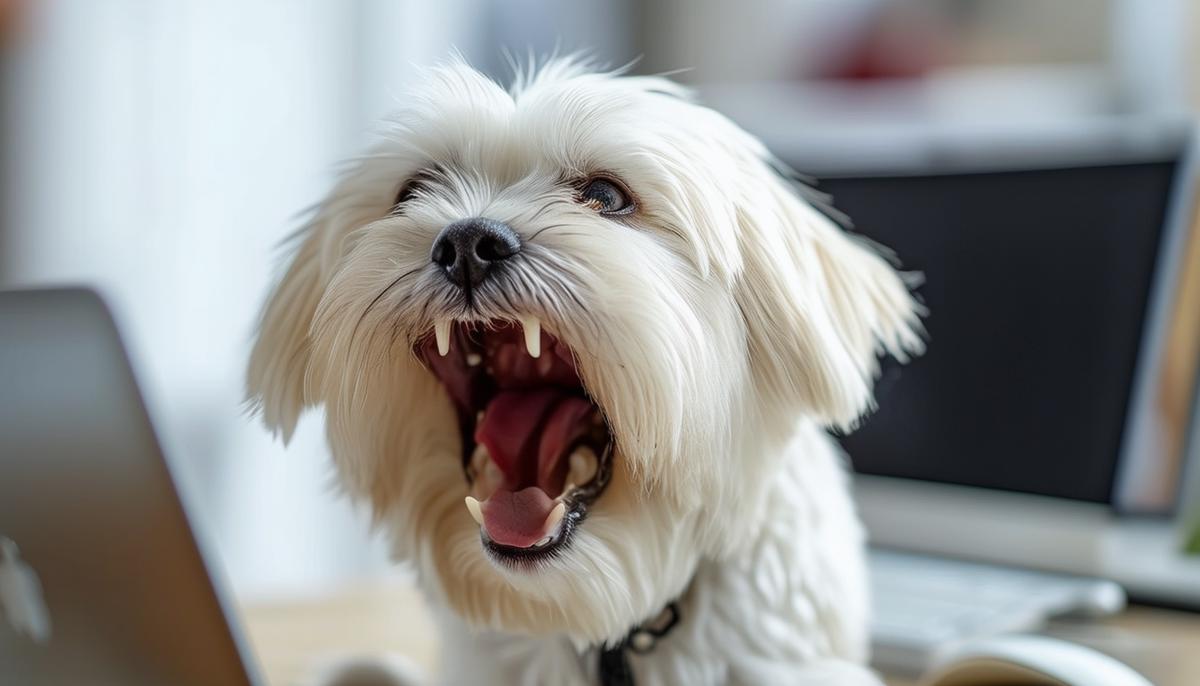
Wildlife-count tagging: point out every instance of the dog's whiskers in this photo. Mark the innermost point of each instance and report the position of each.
(545, 229)
(544, 209)
(395, 282)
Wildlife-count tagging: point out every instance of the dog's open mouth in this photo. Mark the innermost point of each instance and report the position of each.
(536, 450)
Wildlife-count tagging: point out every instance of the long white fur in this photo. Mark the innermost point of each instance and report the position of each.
(720, 329)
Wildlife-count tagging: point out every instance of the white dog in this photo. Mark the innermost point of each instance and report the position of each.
(597, 314)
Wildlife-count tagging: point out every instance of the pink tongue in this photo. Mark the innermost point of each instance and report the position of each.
(510, 430)
(517, 519)
(527, 434)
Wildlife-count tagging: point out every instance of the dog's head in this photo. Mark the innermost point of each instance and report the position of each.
(589, 309)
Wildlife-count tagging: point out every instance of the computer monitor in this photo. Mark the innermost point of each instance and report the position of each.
(1055, 404)
(1039, 285)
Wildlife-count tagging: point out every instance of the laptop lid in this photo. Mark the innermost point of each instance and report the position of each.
(101, 580)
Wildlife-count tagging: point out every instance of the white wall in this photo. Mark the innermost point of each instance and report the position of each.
(160, 150)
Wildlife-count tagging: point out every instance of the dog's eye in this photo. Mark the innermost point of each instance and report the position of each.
(606, 196)
(406, 193)
(418, 183)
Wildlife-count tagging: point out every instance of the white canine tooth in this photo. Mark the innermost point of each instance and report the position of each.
(479, 420)
(552, 519)
(545, 541)
(475, 509)
(441, 329)
(533, 335)
(583, 465)
(473, 359)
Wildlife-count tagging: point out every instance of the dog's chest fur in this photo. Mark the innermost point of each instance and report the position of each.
(789, 608)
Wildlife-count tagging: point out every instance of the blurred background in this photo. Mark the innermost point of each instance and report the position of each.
(161, 151)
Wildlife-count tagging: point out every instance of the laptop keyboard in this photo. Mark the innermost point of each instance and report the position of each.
(922, 603)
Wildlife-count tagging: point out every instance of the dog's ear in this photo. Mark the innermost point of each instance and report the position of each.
(279, 359)
(278, 378)
(820, 305)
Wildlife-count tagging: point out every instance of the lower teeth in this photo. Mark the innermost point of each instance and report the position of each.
(583, 465)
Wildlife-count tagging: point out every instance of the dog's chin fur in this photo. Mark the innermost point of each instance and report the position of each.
(719, 328)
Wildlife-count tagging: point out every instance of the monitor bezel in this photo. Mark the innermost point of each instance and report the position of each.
(1182, 224)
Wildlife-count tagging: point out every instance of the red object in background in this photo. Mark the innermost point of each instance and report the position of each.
(11, 18)
(894, 41)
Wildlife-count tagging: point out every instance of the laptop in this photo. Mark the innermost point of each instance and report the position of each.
(1049, 427)
(101, 579)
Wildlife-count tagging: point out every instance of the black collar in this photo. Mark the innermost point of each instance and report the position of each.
(615, 669)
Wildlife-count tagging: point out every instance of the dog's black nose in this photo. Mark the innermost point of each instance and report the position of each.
(467, 249)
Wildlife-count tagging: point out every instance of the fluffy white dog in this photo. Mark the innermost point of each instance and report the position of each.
(578, 342)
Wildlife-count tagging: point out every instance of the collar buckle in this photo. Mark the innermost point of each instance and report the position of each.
(615, 669)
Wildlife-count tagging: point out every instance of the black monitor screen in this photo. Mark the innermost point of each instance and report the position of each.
(1037, 284)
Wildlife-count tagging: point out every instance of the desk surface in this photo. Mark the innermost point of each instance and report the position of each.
(293, 638)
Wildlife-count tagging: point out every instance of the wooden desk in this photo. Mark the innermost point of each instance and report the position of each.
(291, 639)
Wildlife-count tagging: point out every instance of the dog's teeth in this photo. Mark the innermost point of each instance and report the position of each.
(583, 465)
(441, 329)
(479, 420)
(545, 364)
(552, 519)
(473, 359)
(475, 509)
(545, 541)
(533, 335)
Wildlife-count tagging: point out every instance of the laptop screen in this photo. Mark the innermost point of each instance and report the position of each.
(1037, 284)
